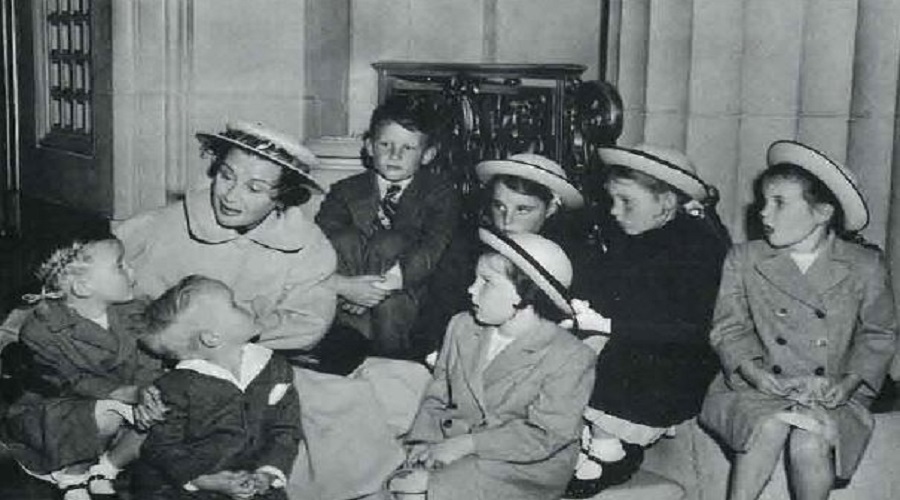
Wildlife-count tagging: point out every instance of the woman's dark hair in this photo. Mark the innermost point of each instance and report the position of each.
(291, 190)
(531, 294)
(814, 191)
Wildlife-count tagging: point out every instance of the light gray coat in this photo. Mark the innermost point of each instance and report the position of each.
(523, 411)
(837, 318)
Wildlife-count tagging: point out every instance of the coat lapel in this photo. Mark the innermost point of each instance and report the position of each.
(831, 268)
(363, 203)
(522, 353)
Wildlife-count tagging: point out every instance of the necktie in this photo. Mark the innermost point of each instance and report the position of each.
(389, 205)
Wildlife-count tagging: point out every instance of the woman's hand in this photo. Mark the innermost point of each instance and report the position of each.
(236, 484)
(150, 408)
(446, 452)
(763, 380)
(840, 391)
(417, 454)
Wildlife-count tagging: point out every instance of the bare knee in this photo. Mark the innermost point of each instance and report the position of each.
(772, 431)
(809, 448)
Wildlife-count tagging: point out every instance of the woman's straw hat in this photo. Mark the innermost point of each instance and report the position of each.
(539, 258)
(267, 144)
(537, 168)
(668, 165)
(836, 177)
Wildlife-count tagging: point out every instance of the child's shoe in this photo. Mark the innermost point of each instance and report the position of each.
(72, 486)
(102, 477)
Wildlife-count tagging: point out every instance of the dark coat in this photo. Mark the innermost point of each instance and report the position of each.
(212, 425)
(427, 217)
(73, 363)
(523, 411)
(835, 319)
(658, 288)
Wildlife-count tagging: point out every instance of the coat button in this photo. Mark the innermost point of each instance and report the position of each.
(780, 341)
(447, 423)
(776, 369)
(821, 342)
(819, 371)
(820, 313)
(781, 312)
(452, 406)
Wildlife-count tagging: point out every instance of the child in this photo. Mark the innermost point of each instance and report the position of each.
(805, 328)
(502, 415)
(233, 422)
(655, 278)
(72, 426)
(390, 226)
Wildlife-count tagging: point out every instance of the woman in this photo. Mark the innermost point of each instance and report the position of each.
(246, 229)
(656, 282)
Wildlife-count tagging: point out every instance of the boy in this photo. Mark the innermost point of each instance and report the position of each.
(233, 424)
(390, 226)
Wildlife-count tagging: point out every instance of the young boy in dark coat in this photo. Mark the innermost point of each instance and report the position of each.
(390, 227)
(232, 428)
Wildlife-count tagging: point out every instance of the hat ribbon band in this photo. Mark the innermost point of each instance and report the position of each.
(534, 263)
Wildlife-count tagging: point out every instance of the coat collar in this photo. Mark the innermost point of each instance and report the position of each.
(829, 269)
(253, 360)
(522, 352)
(58, 317)
(289, 231)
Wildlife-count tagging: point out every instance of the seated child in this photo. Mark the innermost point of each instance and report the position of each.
(75, 423)
(390, 226)
(233, 421)
(502, 416)
(805, 328)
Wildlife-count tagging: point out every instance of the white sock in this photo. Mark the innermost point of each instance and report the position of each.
(107, 473)
(607, 449)
(64, 481)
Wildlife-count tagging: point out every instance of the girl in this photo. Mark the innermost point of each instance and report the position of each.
(72, 426)
(654, 282)
(805, 328)
(502, 414)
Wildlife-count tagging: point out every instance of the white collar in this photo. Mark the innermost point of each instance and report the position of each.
(384, 184)
(254, 359)
(289, 231)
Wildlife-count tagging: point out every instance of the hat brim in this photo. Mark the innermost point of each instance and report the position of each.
(206, 139)
(658, 168)
(534, 270)
(840, 182)
(568, 194)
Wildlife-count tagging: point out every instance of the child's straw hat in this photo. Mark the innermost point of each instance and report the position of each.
(668, 165)
(267, 144)
(836, 177)
(539, 258)
(537, 168)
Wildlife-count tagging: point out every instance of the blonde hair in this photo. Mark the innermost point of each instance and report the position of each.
(64, 264)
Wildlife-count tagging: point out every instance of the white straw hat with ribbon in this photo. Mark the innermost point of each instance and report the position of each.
(536, 168)
(539, 258)
(668, 165)
(267, 144)
(839, 179)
